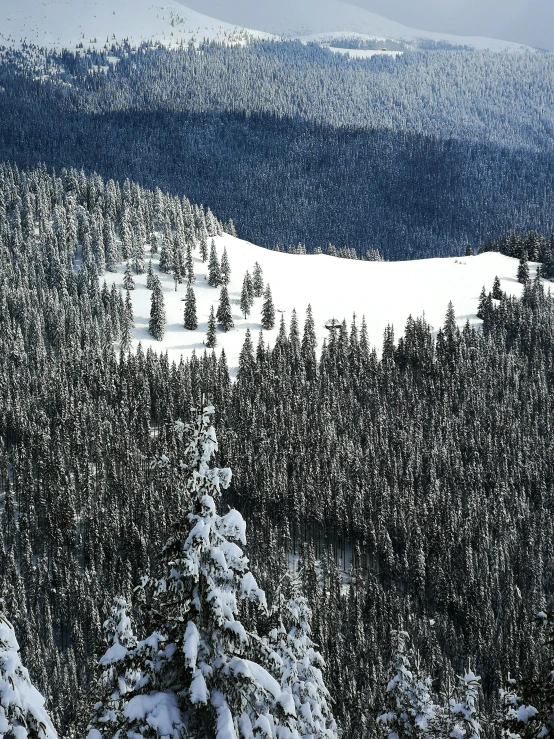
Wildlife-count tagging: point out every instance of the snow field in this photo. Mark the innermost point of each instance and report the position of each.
(384, 292)
(66, 24)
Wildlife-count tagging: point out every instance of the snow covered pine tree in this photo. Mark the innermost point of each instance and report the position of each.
(200, 673)
(22, 712)
(412, 712)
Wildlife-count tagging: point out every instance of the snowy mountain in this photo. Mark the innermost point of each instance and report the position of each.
(69, 23)
(383, 292)
(320, 20)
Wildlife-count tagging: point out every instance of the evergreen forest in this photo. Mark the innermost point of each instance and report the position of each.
(405, 492)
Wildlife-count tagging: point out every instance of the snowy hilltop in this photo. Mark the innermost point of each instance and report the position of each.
(382, 292)
(330, 18)
(60, 24)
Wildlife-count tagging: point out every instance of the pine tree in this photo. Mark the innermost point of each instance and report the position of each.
(150, 276)
(127, 324)
(118, 675)
(209, 659)
(461, 720)
(128, 282)
(410, 708)
(268, 310)
(497, 293)
(211, 337)
(225, 268)
(204, 248)
(247, 295)
(224, 315)
(214, 270)
(22, 712)
(528, 704)
(189, 264)
(301, 670)
(481, 306)
(190, 320)
(523, 269)
(258, 281)
(156, 326)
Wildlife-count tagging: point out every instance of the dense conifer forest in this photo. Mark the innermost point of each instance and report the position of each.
(416, 156)
(412, 489)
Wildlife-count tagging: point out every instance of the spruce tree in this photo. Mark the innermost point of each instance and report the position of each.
(189, 264)
(211, 336)
(218, 669)
(523, 269)
(22, 712)
(481, 305)
(301, 670)
(156, 326)
(127, 324)
(204, 248)
(225, 268)
(247, 295)
(268, 310)
(410, 708)
(497, 293)
(528, 703)
(214, 270)
(150, 276)
(224, 315)
(190, 319)
(128, 282)
(258, 281)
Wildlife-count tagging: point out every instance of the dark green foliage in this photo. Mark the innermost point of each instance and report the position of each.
(128, 282)
(247, 295)
(258, 281)
(214, 269)
(190, 319)
(523, 269)
(268, 310)
(156, 326)
(211, 336)
(225, 268)
(224, 315)
(150, 276)
(497, 292)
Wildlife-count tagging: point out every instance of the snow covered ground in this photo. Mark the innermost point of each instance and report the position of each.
(93, 23)
(57, 24)
(303, 18)
(383, 292)
(365, 53)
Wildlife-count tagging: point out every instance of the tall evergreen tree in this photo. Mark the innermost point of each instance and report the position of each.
(268, 310)
(497, 293)
(150, 276)
(211, 336)
(214, 269)
(411, 710)
(128, 282)
(156, 326)
(258, 281)
(190, 319)
(22, 712)
(247, 295)
(224, 315)
(523, 269)
(225, 268)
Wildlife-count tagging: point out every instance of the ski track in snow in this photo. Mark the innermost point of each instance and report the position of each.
(384, 292)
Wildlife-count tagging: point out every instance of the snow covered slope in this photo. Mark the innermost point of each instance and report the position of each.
(304, 18)
(383, 292)
(66, 24)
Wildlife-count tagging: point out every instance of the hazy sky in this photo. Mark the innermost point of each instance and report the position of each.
(525, 21)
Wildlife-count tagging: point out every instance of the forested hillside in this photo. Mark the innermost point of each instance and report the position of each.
(417, 156)
(413, 488)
